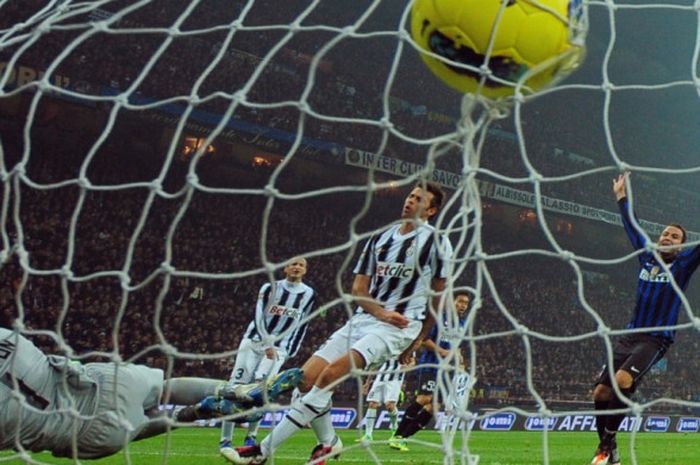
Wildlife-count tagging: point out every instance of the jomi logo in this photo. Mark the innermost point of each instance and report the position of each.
(688, 425)
(498, 422)
(272, 418)
(537, 423)
(657, 424)
(342, 418)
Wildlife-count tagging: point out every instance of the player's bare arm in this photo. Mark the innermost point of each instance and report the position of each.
(429, 344)
(360, 291)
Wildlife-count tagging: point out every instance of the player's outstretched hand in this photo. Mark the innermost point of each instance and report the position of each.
(619, 187)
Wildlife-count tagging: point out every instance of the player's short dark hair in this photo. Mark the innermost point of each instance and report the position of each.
(438, 194)
(685, 234)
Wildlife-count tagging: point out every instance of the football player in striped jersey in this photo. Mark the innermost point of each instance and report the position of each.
(657, 305)
(402, 269)
(443, 342)
(274, 335)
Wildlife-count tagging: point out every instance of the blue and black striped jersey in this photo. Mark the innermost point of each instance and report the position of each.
(446, 335)
(657, 303)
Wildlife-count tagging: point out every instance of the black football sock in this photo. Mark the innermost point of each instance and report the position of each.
(421, 420)
(601, 419)
(409, 417)
(614, 420)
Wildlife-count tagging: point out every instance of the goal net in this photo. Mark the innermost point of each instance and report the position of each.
(163, 160)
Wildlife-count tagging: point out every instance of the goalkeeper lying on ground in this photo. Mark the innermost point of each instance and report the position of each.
(94, 410)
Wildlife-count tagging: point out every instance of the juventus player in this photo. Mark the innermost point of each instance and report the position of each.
(658, 304)
(444, 337)
(274, 335)
(94, 410)
(398, 270)
(386, 389)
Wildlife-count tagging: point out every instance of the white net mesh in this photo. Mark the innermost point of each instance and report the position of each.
(161, 160)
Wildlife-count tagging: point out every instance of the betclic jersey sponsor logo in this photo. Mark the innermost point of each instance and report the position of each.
(503, 421)
(281, 310)
(657, 424)
(394, 270)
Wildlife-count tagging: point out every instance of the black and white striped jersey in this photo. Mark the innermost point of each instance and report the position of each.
(390, 371)
(403, 266)
(280, 312)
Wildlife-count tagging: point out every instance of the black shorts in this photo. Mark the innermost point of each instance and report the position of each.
(427, 384)
(426, 381)
(636, 354)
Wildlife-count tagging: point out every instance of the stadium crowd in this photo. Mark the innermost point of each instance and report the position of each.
(203, 317)
(340, 91)
(128, 275)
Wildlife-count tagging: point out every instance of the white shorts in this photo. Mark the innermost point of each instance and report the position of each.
(252, 364)
(383, 392)
(375, 340)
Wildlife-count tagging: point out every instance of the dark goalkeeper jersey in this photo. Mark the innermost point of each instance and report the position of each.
(657, 304)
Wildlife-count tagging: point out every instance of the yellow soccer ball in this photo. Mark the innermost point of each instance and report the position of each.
(535, 42)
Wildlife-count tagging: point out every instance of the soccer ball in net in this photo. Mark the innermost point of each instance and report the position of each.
(490, 46)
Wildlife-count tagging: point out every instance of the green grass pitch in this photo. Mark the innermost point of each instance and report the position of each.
(198, 446)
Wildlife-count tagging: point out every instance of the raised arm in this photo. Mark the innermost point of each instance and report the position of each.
(620, 190)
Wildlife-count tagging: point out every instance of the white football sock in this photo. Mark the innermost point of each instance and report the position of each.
(323, 427)
(227, 430)
(370, 418)
(298, 416)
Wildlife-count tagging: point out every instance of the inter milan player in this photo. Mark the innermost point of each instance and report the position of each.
(401, 269)
(657, 304)
(444, 338)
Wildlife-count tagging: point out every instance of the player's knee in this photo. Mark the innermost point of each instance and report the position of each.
(624, 379)
(373, 405)
(602, 393)
(390, 406)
